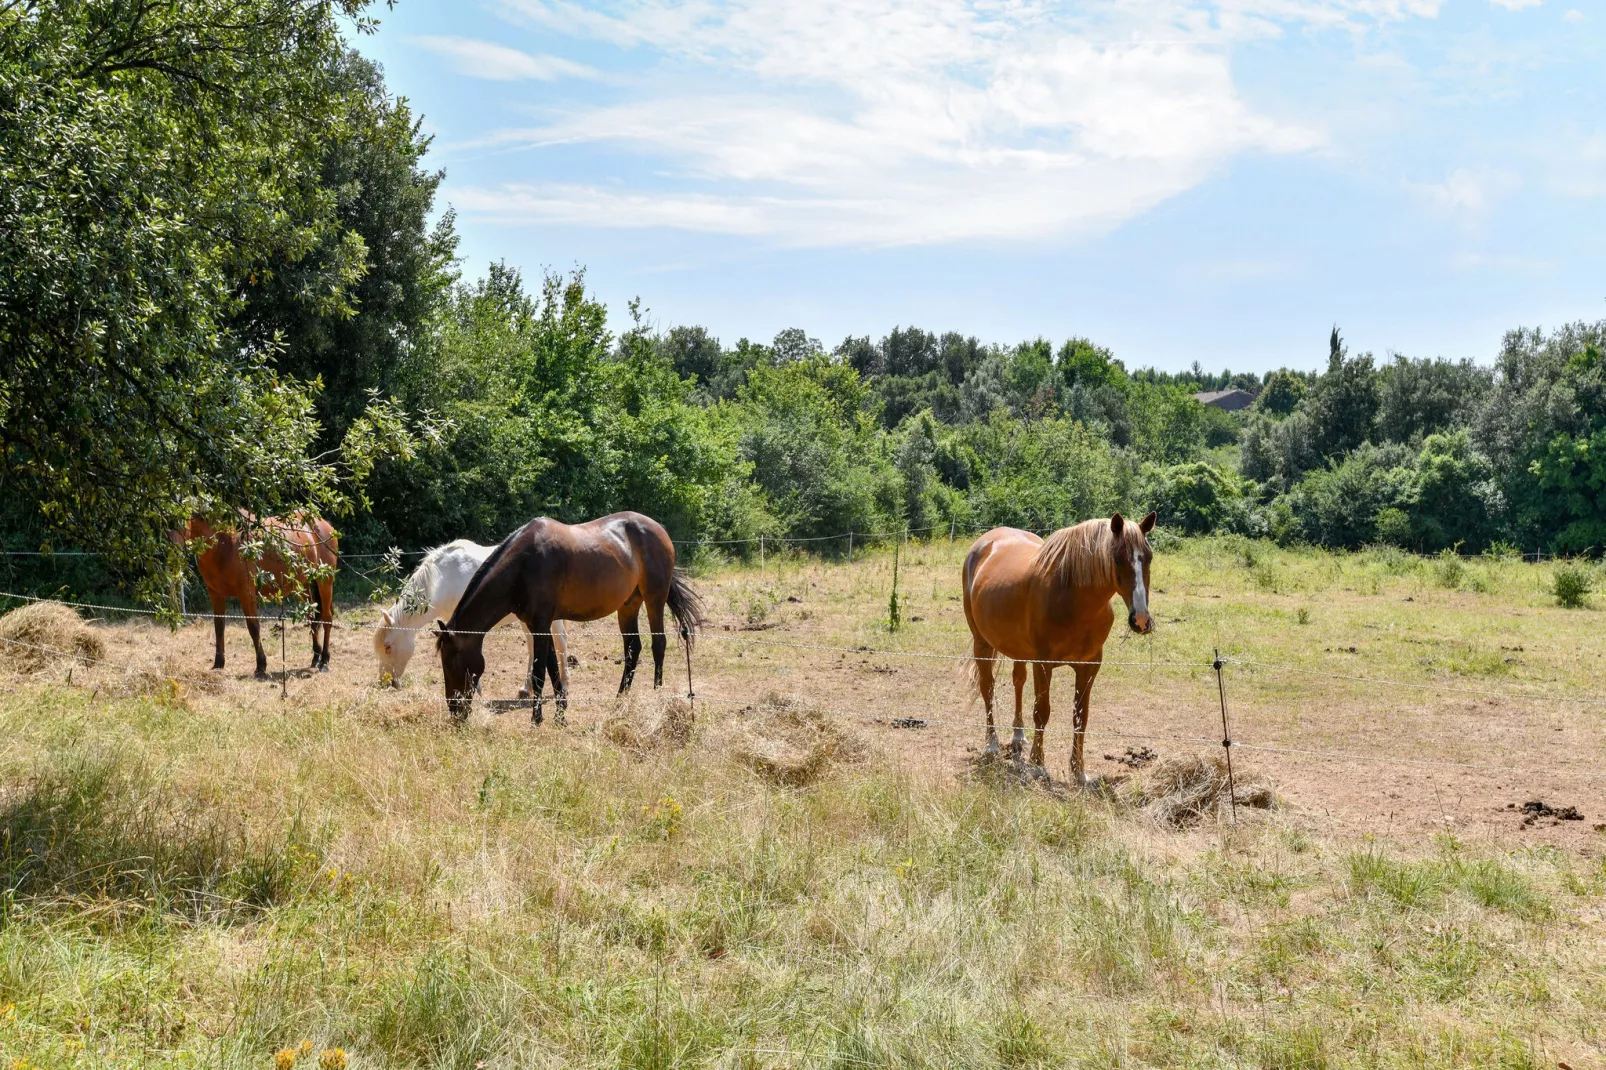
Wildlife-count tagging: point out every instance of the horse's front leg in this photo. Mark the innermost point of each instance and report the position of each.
(1018, 740)
(1085, 675)
(560, 678)
(1042, 678)
(541, 631)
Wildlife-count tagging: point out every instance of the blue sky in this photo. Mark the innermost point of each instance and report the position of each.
(1181, 180)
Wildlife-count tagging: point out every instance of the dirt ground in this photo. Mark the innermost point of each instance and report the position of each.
(818, 630)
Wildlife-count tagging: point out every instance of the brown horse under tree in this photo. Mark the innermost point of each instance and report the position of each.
(228, 574)
(1045, 603)
(549, 571)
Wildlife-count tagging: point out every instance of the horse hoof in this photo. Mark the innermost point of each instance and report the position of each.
(323, 668)
(260, 674)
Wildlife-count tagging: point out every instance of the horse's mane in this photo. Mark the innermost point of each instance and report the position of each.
(1082, 555)
(416, 589)
(484, 570)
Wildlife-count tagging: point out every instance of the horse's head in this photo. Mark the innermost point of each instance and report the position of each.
(394, 647)
(1132, 557)
(462, 665)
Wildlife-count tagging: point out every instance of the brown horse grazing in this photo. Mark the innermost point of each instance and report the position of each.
(1047, 602)
(548, 571)
(229, 575)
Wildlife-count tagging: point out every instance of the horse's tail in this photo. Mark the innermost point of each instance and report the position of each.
(687, 606)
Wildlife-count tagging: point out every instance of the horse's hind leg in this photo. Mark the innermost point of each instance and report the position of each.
(1018, 740)
(316, 621)
(630, 628)
(327, 611)
(220, 607)
(248, 605)
(660, 642)
(985, 664)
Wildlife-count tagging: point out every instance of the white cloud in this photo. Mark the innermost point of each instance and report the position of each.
(1515, 5)
(1572, 14)
(905, 121)
(498, 63)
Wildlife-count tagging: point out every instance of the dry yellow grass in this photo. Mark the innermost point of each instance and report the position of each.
(36, 637)
(212, 881)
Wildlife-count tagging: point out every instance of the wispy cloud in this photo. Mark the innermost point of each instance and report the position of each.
(1516, 5)
(906, 121)
(498, 63)
(1467, 193)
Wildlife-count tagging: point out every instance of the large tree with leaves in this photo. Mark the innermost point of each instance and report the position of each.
(157, 161)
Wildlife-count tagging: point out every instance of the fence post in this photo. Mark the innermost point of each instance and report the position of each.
(850, 547)
(951, 521)
(761, 552)
(284, 663)
(1226, 738)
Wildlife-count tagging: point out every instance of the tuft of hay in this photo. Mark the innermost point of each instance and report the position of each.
(38, 636)
(787, 739)
(654, 722)
(1180, 791)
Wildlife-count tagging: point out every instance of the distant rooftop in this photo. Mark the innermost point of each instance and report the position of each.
(1230, 400)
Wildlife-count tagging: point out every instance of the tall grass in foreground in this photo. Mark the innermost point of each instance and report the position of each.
(485, 899)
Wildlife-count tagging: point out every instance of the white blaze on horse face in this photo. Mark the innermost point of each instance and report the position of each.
(1139, 602)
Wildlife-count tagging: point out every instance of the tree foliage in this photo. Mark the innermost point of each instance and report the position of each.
(156, 160)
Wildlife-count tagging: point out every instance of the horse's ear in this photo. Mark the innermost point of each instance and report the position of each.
(384, 615)
(440, 629)
(1146, 525)
(1116, 524)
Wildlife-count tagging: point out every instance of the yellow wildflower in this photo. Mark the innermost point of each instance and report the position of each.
(284, 1059)
(332, 1059)
(305, 1050)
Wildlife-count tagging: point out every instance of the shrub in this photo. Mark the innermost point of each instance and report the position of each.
(1449, 570)
(1393, 526)
(1572, 584)
(1198, 499)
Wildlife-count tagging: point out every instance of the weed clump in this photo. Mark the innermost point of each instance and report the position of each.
(1572, 584)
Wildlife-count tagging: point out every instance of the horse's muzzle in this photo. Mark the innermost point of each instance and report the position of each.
(1142, 623)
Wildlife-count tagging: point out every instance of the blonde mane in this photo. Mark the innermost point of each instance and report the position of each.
(1079, 556)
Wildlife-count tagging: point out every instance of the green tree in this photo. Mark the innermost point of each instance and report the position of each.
(352, 341)
(1282, 393)
(154, 159)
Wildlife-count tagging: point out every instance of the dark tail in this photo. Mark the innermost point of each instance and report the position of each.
(687, 606)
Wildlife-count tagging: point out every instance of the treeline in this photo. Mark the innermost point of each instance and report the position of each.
(221, 290)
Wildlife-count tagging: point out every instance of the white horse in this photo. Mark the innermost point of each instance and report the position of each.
(432, 591)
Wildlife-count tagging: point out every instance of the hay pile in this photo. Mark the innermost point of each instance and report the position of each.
(1180, 791)
(44, 633)
(787, 739)
(653, 722)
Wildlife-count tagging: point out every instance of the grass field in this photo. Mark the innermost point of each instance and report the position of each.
(195, 871)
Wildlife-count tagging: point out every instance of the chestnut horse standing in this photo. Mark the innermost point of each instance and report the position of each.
(228, 575)
(548, 571)
(1045, 603)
